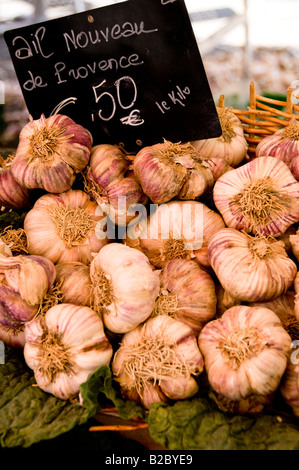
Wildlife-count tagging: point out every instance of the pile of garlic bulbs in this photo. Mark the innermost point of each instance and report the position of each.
(176, 266)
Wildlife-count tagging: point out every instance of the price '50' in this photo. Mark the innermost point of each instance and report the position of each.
(126, 91)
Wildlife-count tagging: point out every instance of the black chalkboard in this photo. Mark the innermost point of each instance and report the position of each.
(130, 72)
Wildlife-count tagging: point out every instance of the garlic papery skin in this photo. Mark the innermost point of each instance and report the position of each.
(124, 287)
(12, 194)
(50, 153)
(24, 282)
(176, 230)
(187, 294)
(29, 276)
(245, 352)
(261, 196)
(108, 165)
(112, 184)
(231, 146)
(160, 356)
(283, 144)
(5, 248)
(170, 170)
(74, 282)
(122, 198)
(218, 167)
(65, 347)
(65, 227)
(294, 167)
(250, 268)
(284, 307)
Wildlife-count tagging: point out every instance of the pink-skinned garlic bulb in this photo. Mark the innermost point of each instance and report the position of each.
(187, 294)
(283, 144)
(259, 197)
(110, 181)
(158, 361)
(170, 170)
(245, 352)
(65, 347)
(176, 230)
(250, 268)
(119, 285)
(51, 151)
(65, 227)
(25, 280)
(231, 146)
(12, 194)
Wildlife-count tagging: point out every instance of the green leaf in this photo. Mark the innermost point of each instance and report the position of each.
(12, 218)
(29, 415)
(100, 387)
(197, 425)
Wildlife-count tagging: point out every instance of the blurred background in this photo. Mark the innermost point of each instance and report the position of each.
(239, 41)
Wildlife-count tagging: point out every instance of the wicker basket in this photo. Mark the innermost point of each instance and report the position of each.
(262, 119)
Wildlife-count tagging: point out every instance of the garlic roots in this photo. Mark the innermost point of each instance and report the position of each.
(158, 361)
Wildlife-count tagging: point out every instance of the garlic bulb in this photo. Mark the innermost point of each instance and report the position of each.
(124, 287)
(261, 196)
(12, 194)
(284, 307)
(108, 165)
(157, 361)
(172, 170)
(74, 282)
(283, 144)
(231, 146)
(65, 227)
(110, 182)
(50, 153)
(245, 352)
(24, 282)
(187, 294)
(250, 268)
(176, 230)
(64, 347)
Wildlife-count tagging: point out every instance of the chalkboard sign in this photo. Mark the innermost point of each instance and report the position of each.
(130, 72)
